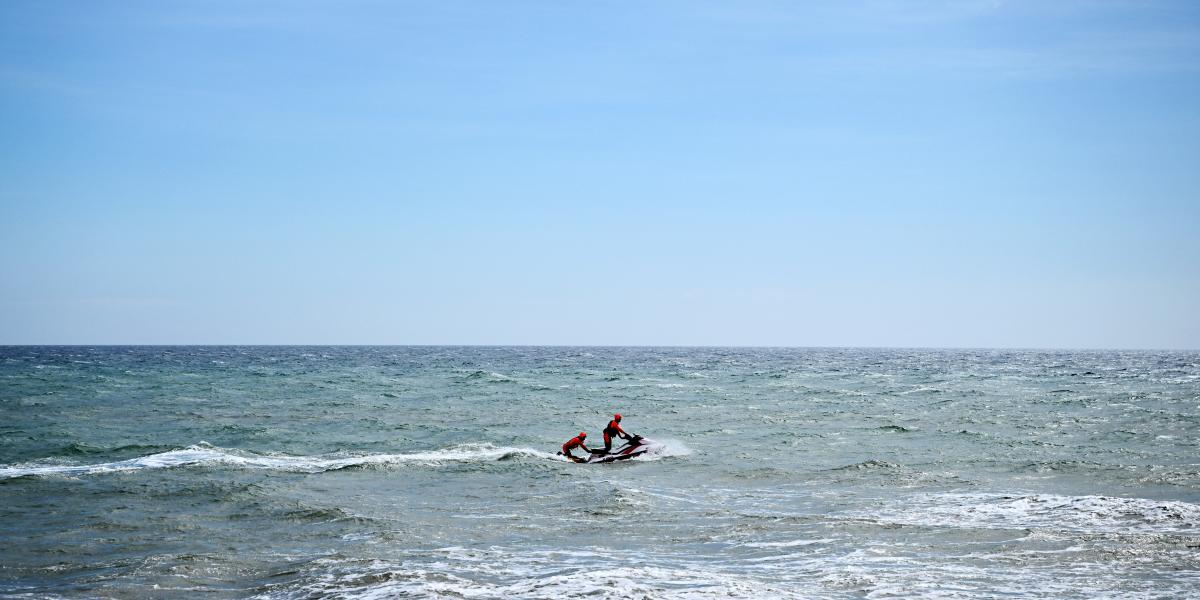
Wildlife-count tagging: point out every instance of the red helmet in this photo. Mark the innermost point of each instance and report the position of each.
(582, 434)
(617, 417)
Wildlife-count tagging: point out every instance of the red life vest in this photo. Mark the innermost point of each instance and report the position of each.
(613, 428)
(574, 442)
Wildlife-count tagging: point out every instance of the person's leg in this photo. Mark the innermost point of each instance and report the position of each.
(607, 442)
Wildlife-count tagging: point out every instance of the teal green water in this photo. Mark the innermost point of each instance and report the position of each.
(376, 472)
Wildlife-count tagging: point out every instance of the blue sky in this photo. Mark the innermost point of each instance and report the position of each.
(878, 173)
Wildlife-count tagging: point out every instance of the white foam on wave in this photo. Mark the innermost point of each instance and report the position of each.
(788, 544)
(205, 454)
(889, 576)
(1087, 514)
(660, 449)
(801, 571)
(468, 573)
(673, 447)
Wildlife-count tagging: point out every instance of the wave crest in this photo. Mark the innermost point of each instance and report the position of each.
(1086, 514)
(205, 454)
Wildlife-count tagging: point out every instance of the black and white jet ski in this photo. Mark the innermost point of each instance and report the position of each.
(632, 448)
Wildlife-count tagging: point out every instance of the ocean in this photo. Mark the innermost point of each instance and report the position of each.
(431, 472)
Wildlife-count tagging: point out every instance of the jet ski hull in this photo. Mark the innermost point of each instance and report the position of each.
(632, 449)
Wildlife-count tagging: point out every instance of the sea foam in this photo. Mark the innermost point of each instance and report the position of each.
(1081, 514)
(205, 454)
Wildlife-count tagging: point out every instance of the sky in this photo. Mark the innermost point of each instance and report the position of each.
(877, 173)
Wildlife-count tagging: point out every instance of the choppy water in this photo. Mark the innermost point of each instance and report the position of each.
(304, 472)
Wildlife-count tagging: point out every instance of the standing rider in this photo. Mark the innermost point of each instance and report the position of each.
(575, 442)
(613, 430)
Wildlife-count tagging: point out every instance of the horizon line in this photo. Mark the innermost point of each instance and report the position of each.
(680, 346)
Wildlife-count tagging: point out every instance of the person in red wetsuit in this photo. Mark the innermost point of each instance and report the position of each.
(575, 442)
(614, 430)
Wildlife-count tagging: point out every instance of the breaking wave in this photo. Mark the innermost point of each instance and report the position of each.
(466, 573)
(1081, 514)
(205, 454)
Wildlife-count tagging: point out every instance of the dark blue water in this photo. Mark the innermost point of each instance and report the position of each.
(372, 472)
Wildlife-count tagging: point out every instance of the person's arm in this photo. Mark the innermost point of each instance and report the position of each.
(623, 434)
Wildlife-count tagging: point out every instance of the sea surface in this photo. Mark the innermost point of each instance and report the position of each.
(430, 472)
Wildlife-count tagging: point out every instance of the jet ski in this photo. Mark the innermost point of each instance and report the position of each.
(634, 447)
